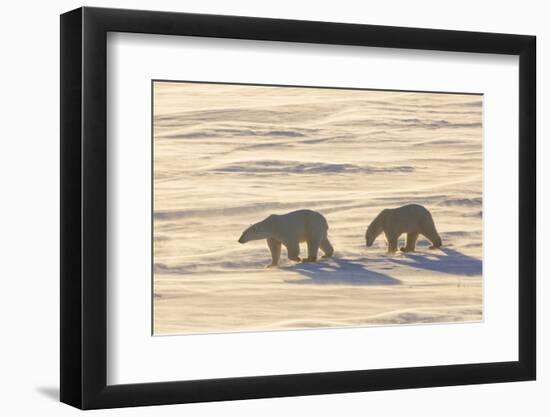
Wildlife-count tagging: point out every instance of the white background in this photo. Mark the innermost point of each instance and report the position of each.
(29, 213)
(134, 356)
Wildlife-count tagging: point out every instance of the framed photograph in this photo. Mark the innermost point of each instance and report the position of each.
(258, 208)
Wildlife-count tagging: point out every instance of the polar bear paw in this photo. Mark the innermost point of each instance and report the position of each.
(311, 259)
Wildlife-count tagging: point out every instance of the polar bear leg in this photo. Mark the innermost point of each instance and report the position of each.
(326, 247)
(293, 249)
(411, 242)
(392, 242)
(275, 248)
(312, 250)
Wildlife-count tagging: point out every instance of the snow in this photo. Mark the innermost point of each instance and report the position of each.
(227, 156)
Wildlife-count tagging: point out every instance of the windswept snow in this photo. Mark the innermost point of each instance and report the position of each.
(227, 156)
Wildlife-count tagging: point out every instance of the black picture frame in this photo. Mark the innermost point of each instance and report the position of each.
(84, 207)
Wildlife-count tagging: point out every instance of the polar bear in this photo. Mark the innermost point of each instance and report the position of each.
(412, 219)
(290, 229)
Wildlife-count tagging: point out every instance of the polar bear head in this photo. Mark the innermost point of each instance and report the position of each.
(260, 230)
(375, 228)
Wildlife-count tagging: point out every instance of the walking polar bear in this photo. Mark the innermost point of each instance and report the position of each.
(290, 229)
(411, 219)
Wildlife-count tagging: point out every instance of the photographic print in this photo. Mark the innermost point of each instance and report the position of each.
(284, 207)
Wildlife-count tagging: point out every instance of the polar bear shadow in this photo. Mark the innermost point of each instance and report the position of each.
(445, 260)
(339, 271)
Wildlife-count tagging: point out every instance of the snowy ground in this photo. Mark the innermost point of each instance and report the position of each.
(227, 156)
